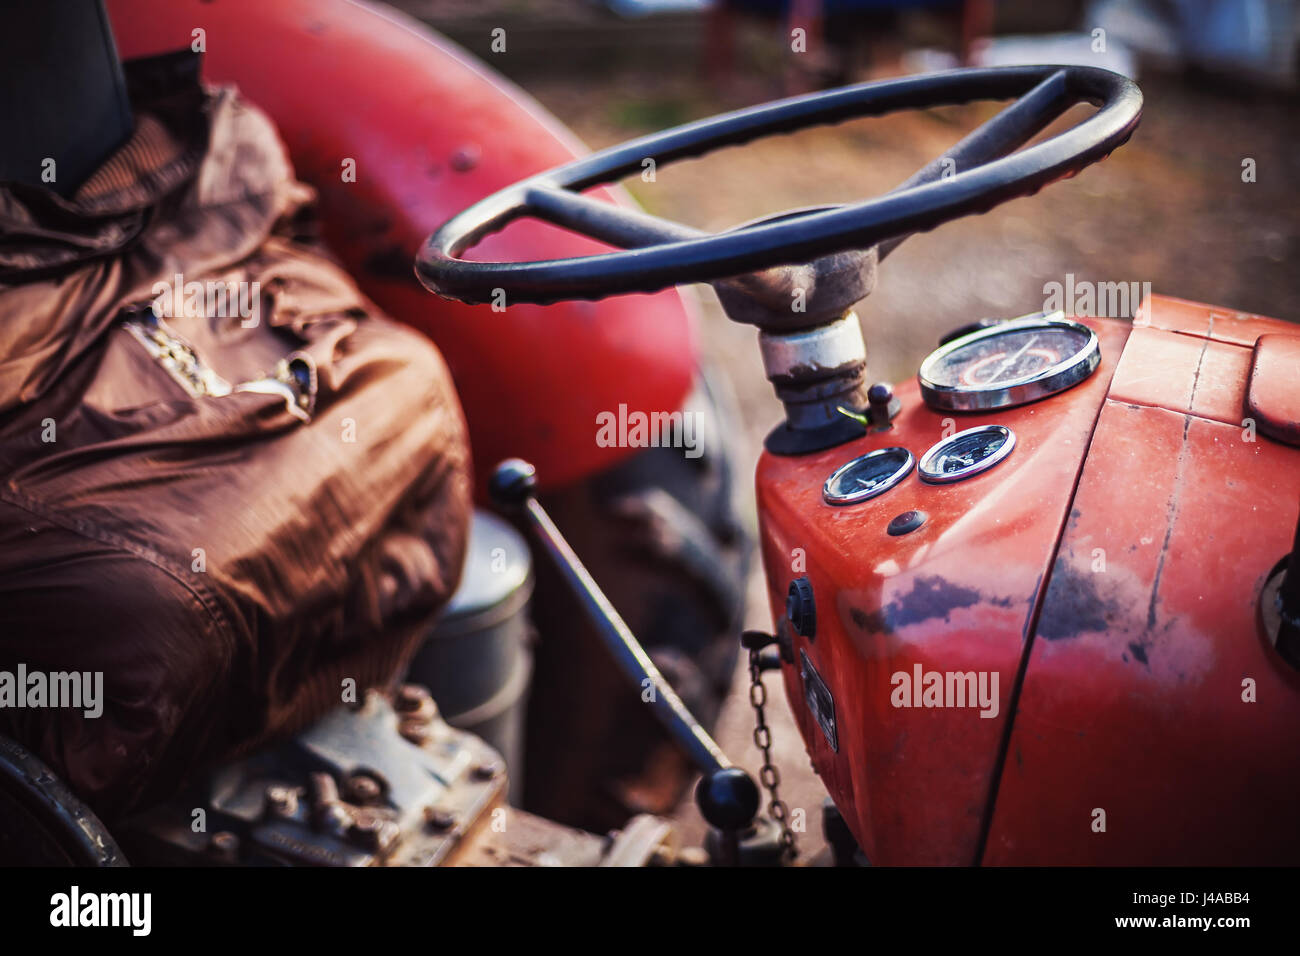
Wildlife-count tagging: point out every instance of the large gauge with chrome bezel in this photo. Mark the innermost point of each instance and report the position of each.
(1009, 364)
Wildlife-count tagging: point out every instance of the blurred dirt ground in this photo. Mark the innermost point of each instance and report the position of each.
(1170, 208)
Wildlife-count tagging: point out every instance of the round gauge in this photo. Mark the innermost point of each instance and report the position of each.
(1009, 364)
(966, 454)
(872, 474)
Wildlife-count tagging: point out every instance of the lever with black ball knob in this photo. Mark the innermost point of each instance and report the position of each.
(727, 796)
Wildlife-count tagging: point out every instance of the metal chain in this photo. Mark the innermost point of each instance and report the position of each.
(769, 775)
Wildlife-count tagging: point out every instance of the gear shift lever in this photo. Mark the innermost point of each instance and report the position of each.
(727, 796)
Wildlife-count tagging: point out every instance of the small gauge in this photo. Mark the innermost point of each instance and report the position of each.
(1009, 364)
(867, 476)
(966, 454)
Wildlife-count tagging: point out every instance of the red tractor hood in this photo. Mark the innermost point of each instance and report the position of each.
(1092, 599)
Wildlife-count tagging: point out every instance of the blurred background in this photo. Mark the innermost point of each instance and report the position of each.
(1202, 203)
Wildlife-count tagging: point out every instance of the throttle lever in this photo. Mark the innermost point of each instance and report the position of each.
(727, 796)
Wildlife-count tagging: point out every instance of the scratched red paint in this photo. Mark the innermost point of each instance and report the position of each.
(1132, 694)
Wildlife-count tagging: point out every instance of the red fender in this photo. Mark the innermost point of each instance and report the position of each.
(432, 131)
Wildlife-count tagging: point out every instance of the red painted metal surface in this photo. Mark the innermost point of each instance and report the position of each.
(432, 131)
(1132, 690)
(1137, 695)
(1133, 697)
(1182, 373)
(959, 594)
(1206, 321)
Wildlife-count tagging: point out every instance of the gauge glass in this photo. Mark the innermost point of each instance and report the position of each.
(867, 476)
(966, 454)
(1009, 364)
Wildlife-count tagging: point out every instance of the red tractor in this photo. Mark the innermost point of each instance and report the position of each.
(1040, 604)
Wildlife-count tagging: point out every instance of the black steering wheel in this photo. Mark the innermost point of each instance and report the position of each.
(981, 171)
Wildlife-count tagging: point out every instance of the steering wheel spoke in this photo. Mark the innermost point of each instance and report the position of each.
(1000, 136)
(620, 226)
(1004, 133)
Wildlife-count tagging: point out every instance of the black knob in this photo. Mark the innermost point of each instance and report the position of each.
(880, 393)
(800, 609)
(512, 483)
(728, 799)
(882, 404)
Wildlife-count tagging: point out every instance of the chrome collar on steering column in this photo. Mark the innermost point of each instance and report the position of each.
(815, 372)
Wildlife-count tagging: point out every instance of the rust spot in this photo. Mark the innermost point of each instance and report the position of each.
(1074, 604)
(930, 598)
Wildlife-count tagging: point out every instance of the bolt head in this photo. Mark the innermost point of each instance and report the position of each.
(281, 801)
(364, 790)
(372, 832)
(438, 819)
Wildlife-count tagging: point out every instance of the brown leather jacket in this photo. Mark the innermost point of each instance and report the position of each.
(231, 511)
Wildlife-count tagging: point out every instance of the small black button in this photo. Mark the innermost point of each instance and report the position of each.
(906, 522)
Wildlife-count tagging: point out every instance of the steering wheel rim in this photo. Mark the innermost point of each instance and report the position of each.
(657, 253)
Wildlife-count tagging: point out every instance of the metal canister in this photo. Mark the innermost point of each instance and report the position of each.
(477, 660)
